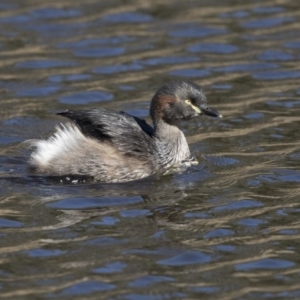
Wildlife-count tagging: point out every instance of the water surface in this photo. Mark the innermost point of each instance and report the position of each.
(226, 229)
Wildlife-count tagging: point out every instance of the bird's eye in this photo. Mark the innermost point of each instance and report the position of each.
(188, 101)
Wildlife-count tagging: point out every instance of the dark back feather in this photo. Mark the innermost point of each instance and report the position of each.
(129, 134)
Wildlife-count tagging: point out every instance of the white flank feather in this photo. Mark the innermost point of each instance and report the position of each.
(66, 138)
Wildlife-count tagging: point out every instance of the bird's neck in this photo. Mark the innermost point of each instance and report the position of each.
(171, 142)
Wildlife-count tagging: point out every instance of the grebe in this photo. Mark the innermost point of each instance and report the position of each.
(114, 146)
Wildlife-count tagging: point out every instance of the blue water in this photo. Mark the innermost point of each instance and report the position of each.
(225, 229)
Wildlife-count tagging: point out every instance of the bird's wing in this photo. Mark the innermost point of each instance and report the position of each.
(130, 135)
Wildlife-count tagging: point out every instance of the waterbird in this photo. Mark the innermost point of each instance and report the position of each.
(112, 146)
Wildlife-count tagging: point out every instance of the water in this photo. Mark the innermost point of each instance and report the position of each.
(226, 229)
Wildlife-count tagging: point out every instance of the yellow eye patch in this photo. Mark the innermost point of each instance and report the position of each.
(195, 108)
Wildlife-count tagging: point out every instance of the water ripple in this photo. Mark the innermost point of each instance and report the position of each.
(86, 97)
(225, 229)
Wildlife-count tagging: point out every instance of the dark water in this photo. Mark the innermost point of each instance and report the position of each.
(226, 229)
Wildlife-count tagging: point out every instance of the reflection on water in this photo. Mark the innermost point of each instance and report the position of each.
(226, 229)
